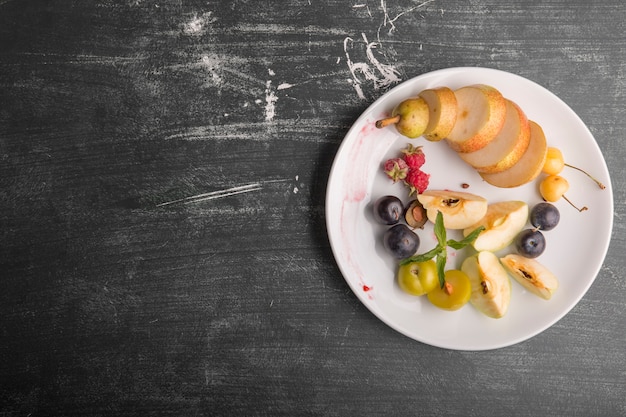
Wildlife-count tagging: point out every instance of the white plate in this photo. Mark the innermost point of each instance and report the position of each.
(575, 249)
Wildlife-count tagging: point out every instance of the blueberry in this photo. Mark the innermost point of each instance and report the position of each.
(401, 241)
(388, 210)
(544, 216)
(530, 243)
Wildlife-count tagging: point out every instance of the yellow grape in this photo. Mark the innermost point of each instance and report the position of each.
(455, 293)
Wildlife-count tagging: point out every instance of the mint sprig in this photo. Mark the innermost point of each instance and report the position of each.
(441, 250)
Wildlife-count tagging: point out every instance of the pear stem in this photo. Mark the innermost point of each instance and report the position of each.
(602, 187)
(572, 204)
(387, 121)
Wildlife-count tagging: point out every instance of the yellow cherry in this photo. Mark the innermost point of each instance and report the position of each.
(554, 162)
(554, 187)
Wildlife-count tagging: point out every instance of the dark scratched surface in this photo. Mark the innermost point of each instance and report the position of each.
(163, 168)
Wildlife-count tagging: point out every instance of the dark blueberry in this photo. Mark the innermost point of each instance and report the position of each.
(545, 216)
(401, 241)
(530, 243)
(388, 210)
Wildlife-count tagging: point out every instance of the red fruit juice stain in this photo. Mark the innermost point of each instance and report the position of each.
(366, 288)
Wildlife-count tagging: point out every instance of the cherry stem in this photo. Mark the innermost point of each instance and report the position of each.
(388, 121)
(572, 204)
(602, 187)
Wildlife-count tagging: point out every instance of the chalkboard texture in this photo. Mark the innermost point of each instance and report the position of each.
(163, 168)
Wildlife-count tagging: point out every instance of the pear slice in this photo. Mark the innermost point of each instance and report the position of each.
(441, 103)
(459, 209)
(491, 285)
(481, 112)
(531, 274)
(507, 147)
(502, 222)
(529, 165)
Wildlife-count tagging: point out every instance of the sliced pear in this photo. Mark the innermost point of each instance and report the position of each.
(459, 209)
(507, 147)
(491, 286)
(528, 167)
(531, 274)
(481, 112)
(441, 103)
(502, 222)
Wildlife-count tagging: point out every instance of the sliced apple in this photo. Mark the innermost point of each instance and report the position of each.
(502, 222)
(531, 274)
(459, 209)
(528, 167)
(481, 112)
(441, 103)
(507, 147)
(491, 286)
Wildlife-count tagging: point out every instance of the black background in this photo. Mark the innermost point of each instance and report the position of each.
(113, 303)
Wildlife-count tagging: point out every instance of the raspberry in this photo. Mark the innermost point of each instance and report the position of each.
(413, 156)
(417, 181)
(396, 169)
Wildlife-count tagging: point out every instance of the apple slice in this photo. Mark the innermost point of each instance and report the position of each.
(481, 112)
(531, 274)
(528, 167)
(491, 286)
(441, 103)
(507, 147)
(459, 209)
(503, 221)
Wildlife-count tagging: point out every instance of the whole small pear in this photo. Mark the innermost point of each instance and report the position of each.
(410, 117)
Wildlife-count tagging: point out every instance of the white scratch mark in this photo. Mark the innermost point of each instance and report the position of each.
(270, 102)
(212, 64)
(256, 186)
(284, 86)
(390, 21)
(363, 5)
(239, 189)
(295, 188)
(197, 25)
(386, 76)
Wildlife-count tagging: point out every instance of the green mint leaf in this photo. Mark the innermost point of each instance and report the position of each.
(422, 257)
(441, 266)
(454, 244)
(440, 230)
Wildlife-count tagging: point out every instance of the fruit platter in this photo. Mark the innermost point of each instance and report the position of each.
(469, 208)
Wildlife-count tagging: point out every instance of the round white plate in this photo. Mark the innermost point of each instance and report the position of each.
(575, 249)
